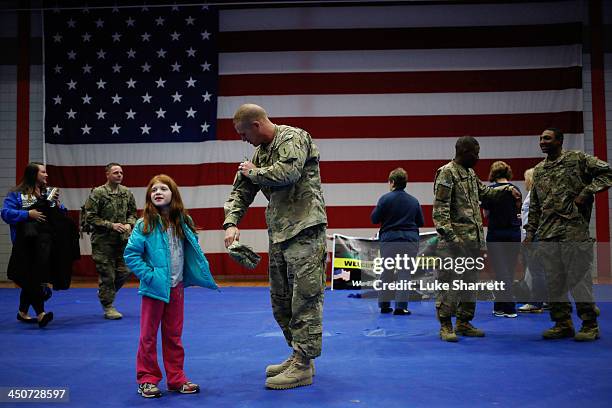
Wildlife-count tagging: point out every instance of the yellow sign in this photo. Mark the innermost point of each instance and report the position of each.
(350, 263)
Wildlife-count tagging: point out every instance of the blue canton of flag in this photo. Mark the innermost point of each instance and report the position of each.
(134, 75)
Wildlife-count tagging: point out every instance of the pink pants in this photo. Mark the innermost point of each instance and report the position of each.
(170, 315)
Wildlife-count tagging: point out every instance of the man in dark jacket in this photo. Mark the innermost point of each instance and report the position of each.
(400, 216)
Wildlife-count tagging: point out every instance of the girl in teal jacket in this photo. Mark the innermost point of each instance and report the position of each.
(163, 251)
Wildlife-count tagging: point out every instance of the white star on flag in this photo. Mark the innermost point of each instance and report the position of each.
(175, 127)
(86, 129)
(191, 113)
(114, 129)
(145, 129)
(146, 98)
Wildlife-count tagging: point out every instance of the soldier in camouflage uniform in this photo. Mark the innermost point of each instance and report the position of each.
(111, 212)
(285, 167)
(559, 215)
(456, 215)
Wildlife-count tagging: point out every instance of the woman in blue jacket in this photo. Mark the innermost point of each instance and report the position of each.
(23, 210)
(163, 251)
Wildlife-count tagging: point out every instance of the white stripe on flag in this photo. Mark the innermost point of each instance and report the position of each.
(423, 104)
(492, 147)
(336, 195)
(400, 60)
(459, 15)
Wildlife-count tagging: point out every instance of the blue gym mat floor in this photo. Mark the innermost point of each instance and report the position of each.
(368, 360)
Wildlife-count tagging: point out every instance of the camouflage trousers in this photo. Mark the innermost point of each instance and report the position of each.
(452, 301)
(297, 284)
(107, 254)
(567, 266)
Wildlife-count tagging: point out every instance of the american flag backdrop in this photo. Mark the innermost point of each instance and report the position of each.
(377, 86)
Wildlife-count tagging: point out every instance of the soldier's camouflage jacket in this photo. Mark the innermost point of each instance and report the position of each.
(105, 207)
(556, 184)
(288, 175)
(456, 210)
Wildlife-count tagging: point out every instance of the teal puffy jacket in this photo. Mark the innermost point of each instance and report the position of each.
(148, 257)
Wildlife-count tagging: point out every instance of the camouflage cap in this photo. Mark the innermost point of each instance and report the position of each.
(244, 255)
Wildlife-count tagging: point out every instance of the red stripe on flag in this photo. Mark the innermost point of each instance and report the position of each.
(337, 217)
(223, 173)
(423, 126)
(22, 153)
(401, 82)
(400, 38)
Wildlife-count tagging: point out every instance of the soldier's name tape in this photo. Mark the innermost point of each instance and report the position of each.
(413, 263)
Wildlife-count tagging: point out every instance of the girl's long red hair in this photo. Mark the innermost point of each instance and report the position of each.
(177, 213)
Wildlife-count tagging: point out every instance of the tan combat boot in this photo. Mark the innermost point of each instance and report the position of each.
(298, 374)
(111, 313)
(446, 331)
(560, 330)
(588, 332)
(276, 369)
(468, 330)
